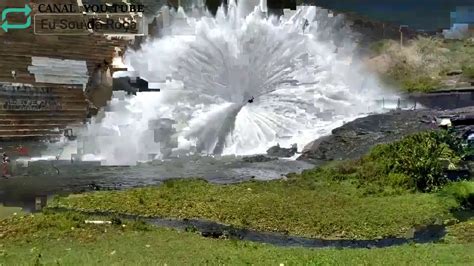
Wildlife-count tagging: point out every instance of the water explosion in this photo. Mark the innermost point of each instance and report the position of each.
(237, 83)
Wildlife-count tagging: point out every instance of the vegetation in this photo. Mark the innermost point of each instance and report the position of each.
(8, 211)
(379, 47)
(58, 225)
(462, 56)
(64, 239)
(461, 233)
(415, 83)
(416, 162)
(387, 192)
(309, 205)
(369, 198)
(422, 64)
(468, 71)
(463, 192)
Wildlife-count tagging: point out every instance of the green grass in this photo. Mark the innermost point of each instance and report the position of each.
(420, 83)
(379, 47)
(468, 71)
(422, 64)
(303, 206)
(461, 233)
(461, 55)
(463, 192)
(9, 211)
(63, 239)
(373, 197)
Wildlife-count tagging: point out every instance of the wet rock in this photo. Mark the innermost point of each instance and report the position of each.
(356, 138)
(94, 186)
(277, 151)
(258, 159)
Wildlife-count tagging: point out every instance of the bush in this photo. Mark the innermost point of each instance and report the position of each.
(463, 192)
(417, 161)
(398, 180)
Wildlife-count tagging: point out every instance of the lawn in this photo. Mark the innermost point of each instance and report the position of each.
(387, 192)
(303, 206)
(64, 239)
(377, 196)
(461, 233)
(8, 211)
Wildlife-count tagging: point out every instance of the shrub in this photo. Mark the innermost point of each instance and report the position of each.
(417, 160)
(398, 180)
(448, 137)
(463, 192)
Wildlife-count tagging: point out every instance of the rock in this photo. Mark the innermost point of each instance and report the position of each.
(454, 72)
(356, 138)
(277, 151)
(94, 186)
(258, 159)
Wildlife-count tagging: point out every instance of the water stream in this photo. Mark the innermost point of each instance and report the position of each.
(419, 234)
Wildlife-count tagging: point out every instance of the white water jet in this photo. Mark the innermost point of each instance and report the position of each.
(239, 84)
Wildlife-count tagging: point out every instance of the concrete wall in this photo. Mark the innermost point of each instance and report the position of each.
(445, 100)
